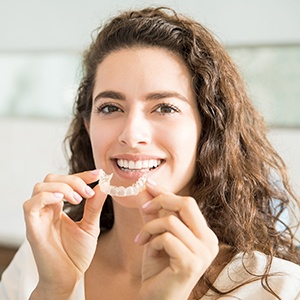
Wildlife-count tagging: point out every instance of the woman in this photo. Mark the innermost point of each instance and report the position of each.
(160, 99)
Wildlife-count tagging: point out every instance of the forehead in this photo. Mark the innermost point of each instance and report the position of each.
(153, 68)
(140, 55)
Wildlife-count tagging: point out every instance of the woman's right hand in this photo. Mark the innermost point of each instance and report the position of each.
(63, 249)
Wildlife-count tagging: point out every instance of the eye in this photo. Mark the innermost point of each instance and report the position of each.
(165, 108)
(108, 108)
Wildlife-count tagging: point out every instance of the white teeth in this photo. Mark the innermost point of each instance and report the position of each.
(121, 191)
(138, 165)
(131, 164)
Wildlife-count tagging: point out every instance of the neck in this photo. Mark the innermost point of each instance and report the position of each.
(119, 251)
(118, 243)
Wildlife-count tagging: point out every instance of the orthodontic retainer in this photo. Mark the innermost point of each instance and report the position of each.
(120, 191)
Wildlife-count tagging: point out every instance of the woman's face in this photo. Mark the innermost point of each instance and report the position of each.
(144, 118)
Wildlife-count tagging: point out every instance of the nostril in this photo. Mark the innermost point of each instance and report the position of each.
(134, 139)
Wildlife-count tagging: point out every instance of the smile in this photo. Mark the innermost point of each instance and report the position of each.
(139, 165)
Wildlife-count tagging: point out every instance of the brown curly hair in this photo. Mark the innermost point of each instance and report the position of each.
(237, 169)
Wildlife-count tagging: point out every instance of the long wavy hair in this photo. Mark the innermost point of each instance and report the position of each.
(237, 170)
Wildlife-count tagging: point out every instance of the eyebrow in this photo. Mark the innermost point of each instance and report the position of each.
(165, 94)
(151, 96)
(110, 94)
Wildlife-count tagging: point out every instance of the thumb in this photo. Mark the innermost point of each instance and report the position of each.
(152, 190)
(92, 210)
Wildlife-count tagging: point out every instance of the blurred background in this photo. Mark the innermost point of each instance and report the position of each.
(41, 43)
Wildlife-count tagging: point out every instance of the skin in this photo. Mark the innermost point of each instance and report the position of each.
(136, 83)
(160, 244)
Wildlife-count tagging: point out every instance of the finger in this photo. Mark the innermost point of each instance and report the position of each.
(181, 258)
(38, 202)
(69, 193)
(78, 182)
(143, 198)
(173, 247)
(152, 190)
(39, 211)
(92, 211)
(186, 208)
(87, 176)
(172, 225)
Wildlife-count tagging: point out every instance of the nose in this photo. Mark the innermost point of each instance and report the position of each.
(135, 131)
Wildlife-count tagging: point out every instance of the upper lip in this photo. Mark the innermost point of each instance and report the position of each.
(136, 157)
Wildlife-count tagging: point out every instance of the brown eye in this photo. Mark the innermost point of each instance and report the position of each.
(107, 109)
(164, 109)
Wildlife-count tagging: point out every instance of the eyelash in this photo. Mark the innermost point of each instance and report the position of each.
(168, 106)
(172, 108)
(101, 108)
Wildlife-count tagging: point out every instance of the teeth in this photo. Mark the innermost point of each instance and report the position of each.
(131, 165)
(121, 191)
(138, 165)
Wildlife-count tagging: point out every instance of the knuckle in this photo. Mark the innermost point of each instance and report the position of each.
(166, 237)
(171, 221)
(212, 246)
(76, 180)
(49, 177)
(191, 266)
(26, 206)
(196, 266)
(160, 198)
(214, 239)
(189, 201)
(215, 249)
(37, 187)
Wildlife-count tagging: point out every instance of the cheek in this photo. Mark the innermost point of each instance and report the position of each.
(181, 142)
(184, 137)
(100, 139)
(187, 142)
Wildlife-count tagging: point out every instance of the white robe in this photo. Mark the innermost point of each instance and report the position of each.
(21, 277)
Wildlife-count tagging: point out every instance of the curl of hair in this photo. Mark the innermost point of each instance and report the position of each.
(234, 181)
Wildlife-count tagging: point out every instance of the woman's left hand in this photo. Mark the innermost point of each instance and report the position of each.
(179, 246)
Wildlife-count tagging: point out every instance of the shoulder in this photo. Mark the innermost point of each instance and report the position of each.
(242, 275)
(257, 262)
(21, 276)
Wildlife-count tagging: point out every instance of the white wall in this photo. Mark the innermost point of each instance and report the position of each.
(66, 24)
(31, 148)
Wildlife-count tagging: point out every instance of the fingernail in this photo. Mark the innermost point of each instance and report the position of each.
(89, 191)
(145, 205)
(151, 182)
(142, 238)
(137, 238)
(77, 197)
(59, 195)
(95, 172)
